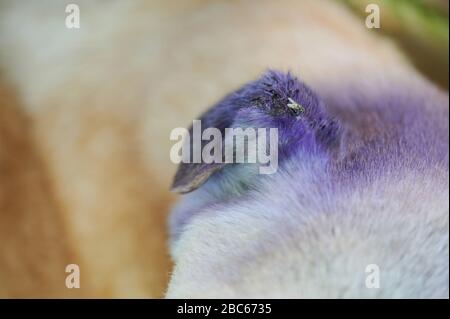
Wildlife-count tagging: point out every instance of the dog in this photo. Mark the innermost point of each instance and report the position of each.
(362, 182)
(94, 107)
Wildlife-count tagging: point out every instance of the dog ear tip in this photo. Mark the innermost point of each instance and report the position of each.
(176, 187)
(181, 188)
(178, 190)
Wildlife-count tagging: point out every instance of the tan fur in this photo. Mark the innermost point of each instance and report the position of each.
(34, 245)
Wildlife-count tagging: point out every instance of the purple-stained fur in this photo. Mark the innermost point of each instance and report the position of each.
(264, 104)
(362, 179)
(359, 136)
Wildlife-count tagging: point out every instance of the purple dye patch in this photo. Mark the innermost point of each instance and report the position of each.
(264, 103)
(344, 138)
(360, 137)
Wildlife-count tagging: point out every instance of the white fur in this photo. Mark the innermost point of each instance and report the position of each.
(274, 245)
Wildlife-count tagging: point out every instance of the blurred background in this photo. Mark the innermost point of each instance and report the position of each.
(85, 115)
(420, 28)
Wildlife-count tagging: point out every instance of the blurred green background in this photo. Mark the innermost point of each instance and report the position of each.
(420, 28)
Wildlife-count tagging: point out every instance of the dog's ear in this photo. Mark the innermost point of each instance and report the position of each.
(276, 100)
(191, 175)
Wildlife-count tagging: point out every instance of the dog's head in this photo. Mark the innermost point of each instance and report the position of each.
(359, 196)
